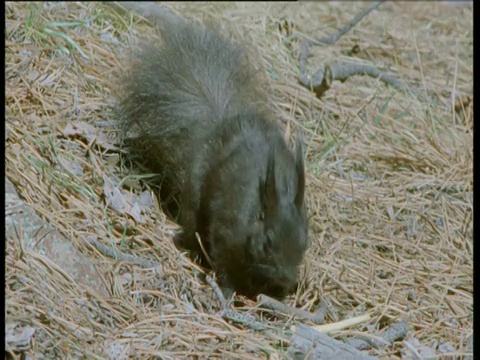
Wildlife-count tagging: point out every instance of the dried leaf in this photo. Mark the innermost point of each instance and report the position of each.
(127, 203)
(73, 167)
(89, 132)
(18, 336)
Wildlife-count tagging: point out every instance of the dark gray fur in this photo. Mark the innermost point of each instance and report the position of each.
(196, 106)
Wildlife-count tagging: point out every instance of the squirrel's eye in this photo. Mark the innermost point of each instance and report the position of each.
(261, 216)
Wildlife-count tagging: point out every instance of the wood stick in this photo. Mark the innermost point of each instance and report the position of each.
(306, 342)
(331, 40)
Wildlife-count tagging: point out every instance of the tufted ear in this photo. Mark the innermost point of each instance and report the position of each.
(300, 169)
(268, 189)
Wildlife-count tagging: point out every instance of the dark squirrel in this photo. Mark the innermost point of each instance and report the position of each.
(197, 109)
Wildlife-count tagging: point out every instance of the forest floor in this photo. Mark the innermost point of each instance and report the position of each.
(389, 185)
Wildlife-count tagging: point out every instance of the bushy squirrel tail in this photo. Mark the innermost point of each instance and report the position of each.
(187, 82)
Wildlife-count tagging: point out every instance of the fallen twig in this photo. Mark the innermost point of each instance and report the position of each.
(306, 342)
(230, 314)
(223, 301)
(343, 324)
(118, 255)
(362, 342)
(272, 304)
(243, 318)
(331, 40)
(322, 79)
(394, 332)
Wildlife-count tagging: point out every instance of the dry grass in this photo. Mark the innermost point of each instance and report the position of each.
(390, 196)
